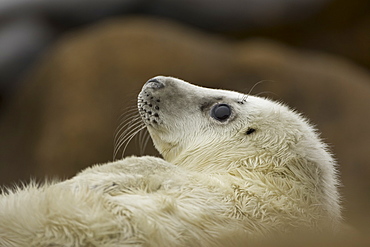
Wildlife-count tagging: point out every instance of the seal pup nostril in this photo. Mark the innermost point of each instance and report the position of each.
(154, 83)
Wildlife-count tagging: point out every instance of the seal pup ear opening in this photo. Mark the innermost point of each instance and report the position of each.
(250, 131)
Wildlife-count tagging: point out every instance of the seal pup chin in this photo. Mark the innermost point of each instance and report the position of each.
(236, 168)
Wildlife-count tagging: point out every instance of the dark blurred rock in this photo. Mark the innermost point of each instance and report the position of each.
(21, 40)
(336, 26)
(236, 15)
(64, 118)
(341, 27)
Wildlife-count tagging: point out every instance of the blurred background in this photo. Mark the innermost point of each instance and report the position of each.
(70, 69)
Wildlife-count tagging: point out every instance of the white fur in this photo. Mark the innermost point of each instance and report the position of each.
(216, 184)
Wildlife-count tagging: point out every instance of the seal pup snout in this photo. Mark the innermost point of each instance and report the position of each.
(149, 103)
(155, 83)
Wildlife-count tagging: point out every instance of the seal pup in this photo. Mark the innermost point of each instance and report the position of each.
(273, 150)
(234, 167)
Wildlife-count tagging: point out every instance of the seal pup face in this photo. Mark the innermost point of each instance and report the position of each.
(221, 131)
(217, 127)
(183, 118)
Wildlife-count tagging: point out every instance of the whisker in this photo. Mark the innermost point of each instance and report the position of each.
(125, 117)
(267, 92)
(129, 138)
(132, 120)
(142, 136)
(147, 138)
(130, 116)
(125, 135)
(129, 123)
(250, 90)
(131, 111)
(125, 126)
(256, 84)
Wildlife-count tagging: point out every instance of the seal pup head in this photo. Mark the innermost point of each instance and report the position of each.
(221, 131)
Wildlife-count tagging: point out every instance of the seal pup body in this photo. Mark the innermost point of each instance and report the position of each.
(234, 167)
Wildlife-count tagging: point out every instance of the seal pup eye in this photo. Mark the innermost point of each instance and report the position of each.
(221, 112)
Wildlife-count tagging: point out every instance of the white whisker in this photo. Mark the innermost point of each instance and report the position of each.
(130, 125)
(125, 127)
(250, 91)
(129, 138)
(126, 136)
(131, 111)
(129, 116)
(141, 138)
(266, 92)
(143, 147)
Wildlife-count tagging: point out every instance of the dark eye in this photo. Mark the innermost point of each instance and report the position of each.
(221, 112)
